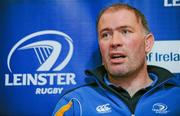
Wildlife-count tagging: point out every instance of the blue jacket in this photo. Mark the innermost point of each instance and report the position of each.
(97, 98)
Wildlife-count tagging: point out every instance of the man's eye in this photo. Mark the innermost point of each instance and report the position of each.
(125, 31)
(105, 35)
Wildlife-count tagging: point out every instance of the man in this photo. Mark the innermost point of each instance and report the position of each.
(124, 85)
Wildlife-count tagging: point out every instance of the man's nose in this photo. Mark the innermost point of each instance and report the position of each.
(116, 40)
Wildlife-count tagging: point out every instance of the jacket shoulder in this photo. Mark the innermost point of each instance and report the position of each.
(71, 101)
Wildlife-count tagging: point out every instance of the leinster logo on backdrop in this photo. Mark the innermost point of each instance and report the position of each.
(38, 58)
(47, 51)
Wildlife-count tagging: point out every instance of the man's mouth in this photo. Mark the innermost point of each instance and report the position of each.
(117, 58)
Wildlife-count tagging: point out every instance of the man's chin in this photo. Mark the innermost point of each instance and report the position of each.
(117, 73)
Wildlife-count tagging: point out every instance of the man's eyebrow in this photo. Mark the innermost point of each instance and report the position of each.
(105, 29)
(123, 27)
(117, 28)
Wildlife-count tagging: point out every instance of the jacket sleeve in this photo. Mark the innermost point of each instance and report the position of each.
(68, 107)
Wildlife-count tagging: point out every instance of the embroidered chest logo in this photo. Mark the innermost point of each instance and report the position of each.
(160, 108)
(105, 108)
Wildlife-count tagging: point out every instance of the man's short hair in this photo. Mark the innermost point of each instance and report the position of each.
(115, 7)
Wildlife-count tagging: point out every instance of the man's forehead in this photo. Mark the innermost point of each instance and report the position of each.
(121, 11)
(135, 17)
(123, 17)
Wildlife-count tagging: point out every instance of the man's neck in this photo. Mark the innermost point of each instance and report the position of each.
(132, 83)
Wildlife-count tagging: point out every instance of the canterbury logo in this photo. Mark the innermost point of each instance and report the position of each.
(47, 51)
(103, 108)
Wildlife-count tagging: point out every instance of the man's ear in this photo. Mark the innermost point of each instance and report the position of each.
(149, 42)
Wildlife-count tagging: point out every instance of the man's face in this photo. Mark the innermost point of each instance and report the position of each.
(122, 42)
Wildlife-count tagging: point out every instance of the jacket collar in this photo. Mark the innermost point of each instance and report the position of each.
(162, 74)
